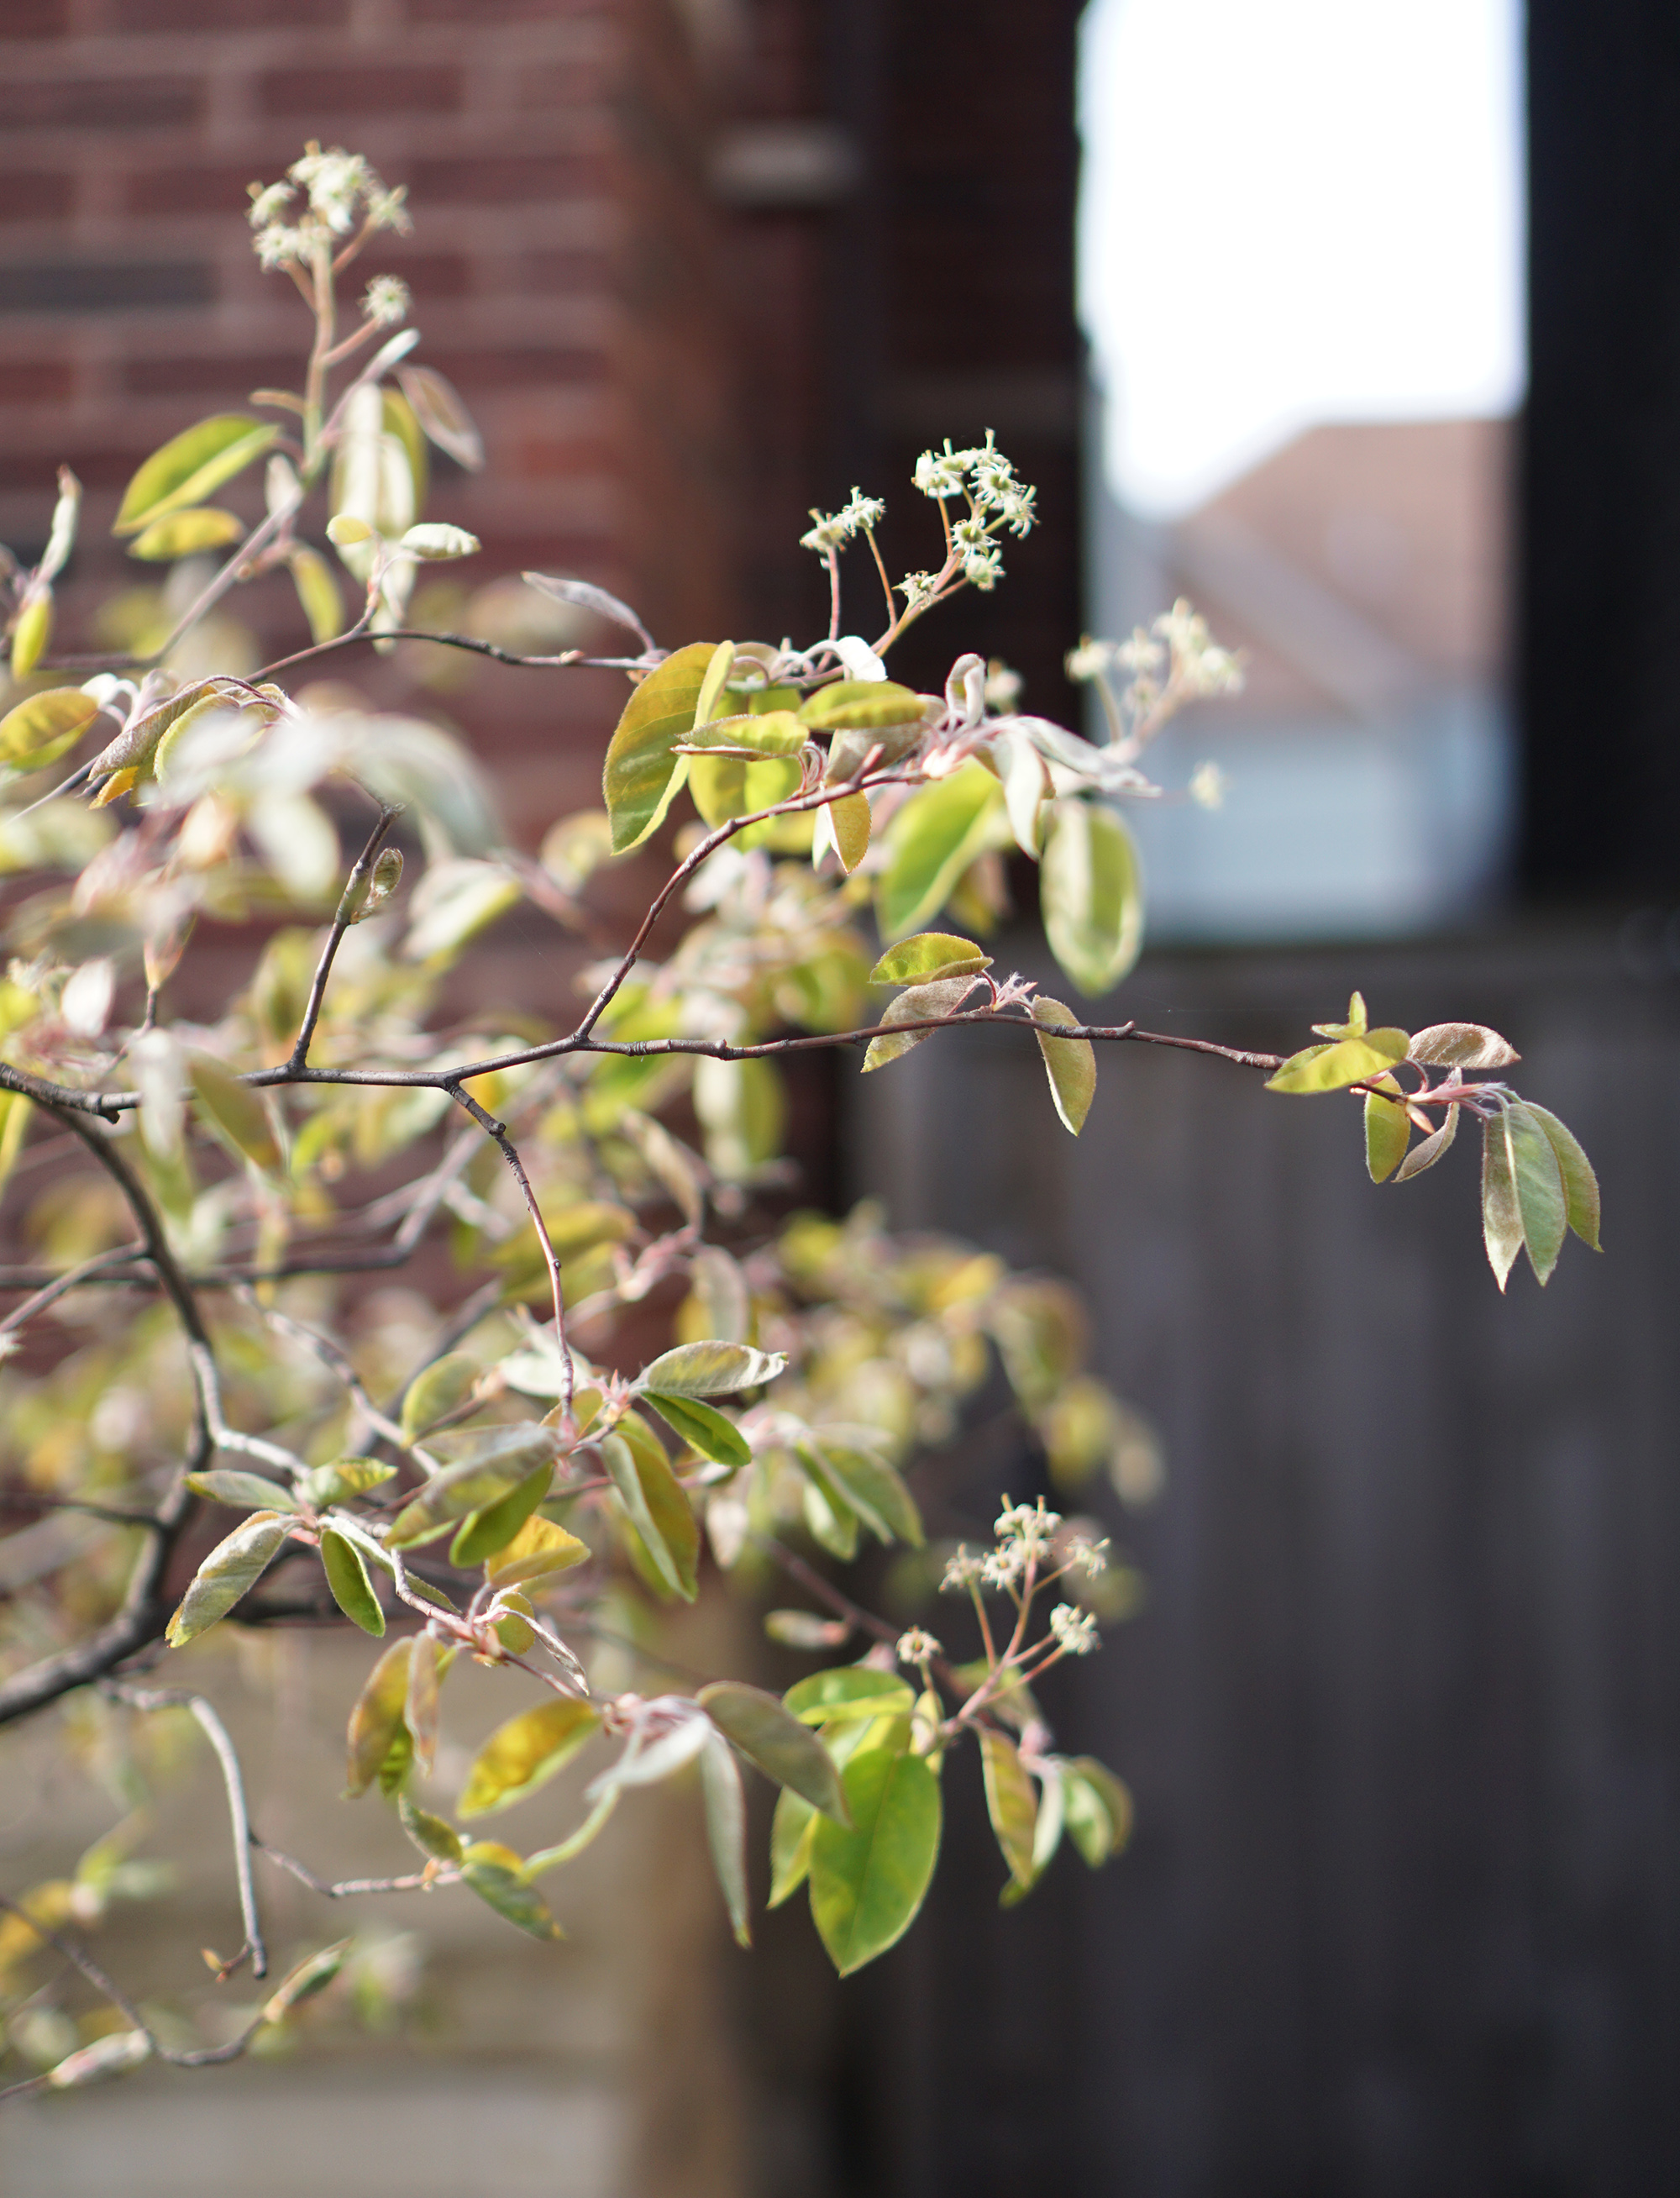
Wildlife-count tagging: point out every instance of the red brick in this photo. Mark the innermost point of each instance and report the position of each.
(35, 195)
(428, 274)
(563, 274)
(206, 15)
(209, 191)
(33, 18)
(202, 375)
(94, 102)
(500, 11)
(313, 93)
(518, 368)
(501, 180)
(35, 380)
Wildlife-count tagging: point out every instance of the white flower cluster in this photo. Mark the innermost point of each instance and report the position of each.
(386, 301)
(1075, 1631)
(339, 189)
(916, 1647)
(996, 499)
(834, 530)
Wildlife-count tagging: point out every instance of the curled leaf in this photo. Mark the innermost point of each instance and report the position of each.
(712, 1368)
(347, 1577)
(376, 1719)
(1388, 1133)
(1069, 1062)
(192, 466)
(525, 1753)
(232, 1568)
(311, 1976)
(495, 1873)
(726, 1831)
(1461, 1045)
(245, 1492)
(918, 1004)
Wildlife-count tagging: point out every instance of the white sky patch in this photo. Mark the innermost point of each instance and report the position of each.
(1295, 211)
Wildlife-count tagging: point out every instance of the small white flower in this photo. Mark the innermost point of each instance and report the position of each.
(389, 209)
(1087, 1556)
(915, 588)
(1140, 654)
(1003, 686)
(336, 182)
(983, 569)
(939, 474)
(386, 301)
(1005, 1566)
(864, 511)
(1017, 508)
(960, 1570)
(268, 202)
(1029, 1524)
(830, 532)
(1207, 786)
(1089, 660)
(1075, 1631)
(915, 1647)
(970, 534)
(276, 244)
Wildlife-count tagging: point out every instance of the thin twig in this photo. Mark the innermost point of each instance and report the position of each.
(421, 1881)
(497, 1132)
(349, 908)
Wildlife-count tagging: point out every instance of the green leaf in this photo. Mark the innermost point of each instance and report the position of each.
(641, 774)
(420, 1703)
(311, 1976)
(31, 631)
(318, 593)
(848, 1691)
(438, 410)
(929, 955)
(1388, 1133)
(436, 1390)
(1501, 1214)
(433, 1836)
(702, 1428)
(494, 1873)
(717, 669)
(1098, 1809)
(232, 1566)
(1091, 894)
(1069, 1062)
(771, 1738)
(712, 1368)
(726, 1831)
(347, 1578)
(862, 706)
(1580, 1184)
(1046, 1832)
(192, 466)
(501, 1459)
(44, 727)
(1461, 1045)
(874, 1489)
(184, 533)
(376, 1724)
(1333, 1067)
(657, 1508)
(525, 1753)
(868, 1883)
(791, 1830)
(1357, 1023)
(850, 822)
(830, 1520)
(482, 1533)
(236, 1112)
(343, 1478)
(931, 840)
(245, 1492)
(1541, 1199)
(942, 998)
(1011, 1803)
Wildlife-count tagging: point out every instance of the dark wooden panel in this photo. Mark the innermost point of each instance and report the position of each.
(1403, 1719)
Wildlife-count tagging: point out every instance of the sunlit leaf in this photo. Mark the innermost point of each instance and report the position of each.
(232, 1568)
(851, 1690)
(848, 823)
(641, 774)
(867, 1883)
(1428, 1150)
(44, 727)
(1010, 1801)
(494, 1873)
(1069, 1062)
(525, 1753)
(726, 1831)
(872, 1488)
(192, 466)
(185, 533)
(773, 1738)
(587, 596)
(702, 1428)
(862, 706)
(1347, 1060)
(1091, 889)
(441, 412)
(929, 843)
(343, 1478)
(1541, 1199)
(792, 1828)
(482, 1534)
(711, 1369)
(347, 1578)
(453, 903)
(31, 631)
(437, 1390)
(649, 1762)
(539, 1548)
(1580, 1184)
(1388, 1133)
(657, 1508)
(118, 2050)
(246, 1491)
(1461, 1045)
(376, 1719)
(318, 593)
(499, 1460)
(929, 956)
